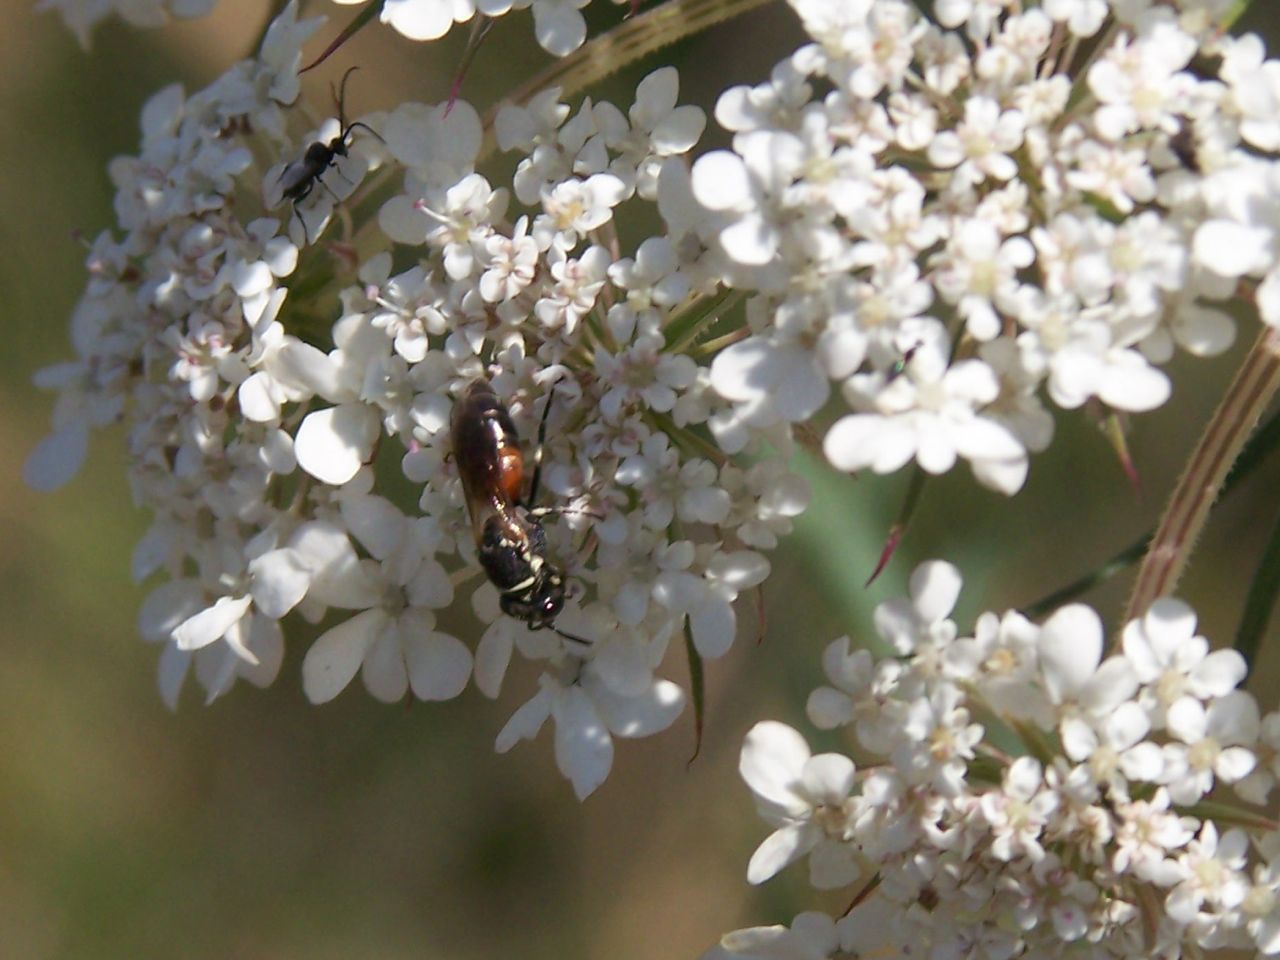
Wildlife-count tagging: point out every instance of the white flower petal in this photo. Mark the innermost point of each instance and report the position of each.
(584, 750)
(525, 722)
(210, 624)
(781, 848)
(419, 19)
(337, 654)
(279, 579)
(439, 665)
(57, 458)
(646, 714)
(720, 181)
(772, 761)
(493, 656)
(333, 444)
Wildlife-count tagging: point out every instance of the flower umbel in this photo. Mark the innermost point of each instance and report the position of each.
(1091, 833)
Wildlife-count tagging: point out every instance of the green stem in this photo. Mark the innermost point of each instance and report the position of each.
(1261, 599)
(1253, 388)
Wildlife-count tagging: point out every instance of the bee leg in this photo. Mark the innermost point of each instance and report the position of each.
(542, 439)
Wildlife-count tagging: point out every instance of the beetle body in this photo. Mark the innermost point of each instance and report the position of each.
(510, 541)
(299, 178)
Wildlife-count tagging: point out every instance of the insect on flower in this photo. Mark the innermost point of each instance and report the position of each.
(299, 178)
(510, 541)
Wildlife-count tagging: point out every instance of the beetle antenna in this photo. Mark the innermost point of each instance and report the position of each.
(342, 98)
(365, 126)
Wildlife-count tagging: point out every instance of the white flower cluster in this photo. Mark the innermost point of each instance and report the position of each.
(81, 16)
(953, 219)
(1019, 793)
(558, 24)
(273, 400)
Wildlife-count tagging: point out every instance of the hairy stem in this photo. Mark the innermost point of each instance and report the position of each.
(1247, 397)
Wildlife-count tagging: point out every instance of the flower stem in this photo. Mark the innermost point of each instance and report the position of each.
(1247, 397)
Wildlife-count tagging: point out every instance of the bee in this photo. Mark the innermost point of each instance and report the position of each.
(510, 541)
(299, 178)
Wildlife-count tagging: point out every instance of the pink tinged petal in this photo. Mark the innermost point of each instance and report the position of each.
(439, 665)
(935, 588)
(720, 181)
(167, 606)
(525, 722)
(279, 579)
(419, 19)
(641, 716)
(333, 444)
(584, 750)
(210, 624)
(828, 778)
(782, 847)
(57, 458)
(1070, 648)
(1232, 249)
(493, 656)
(772, 761)
(714, 625)
(337, 654)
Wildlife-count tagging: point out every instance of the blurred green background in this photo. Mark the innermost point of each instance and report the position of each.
(265, 827)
